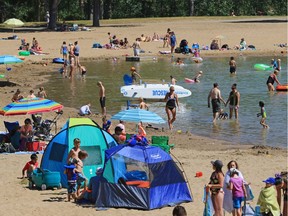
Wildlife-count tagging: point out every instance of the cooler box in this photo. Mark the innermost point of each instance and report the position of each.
(44, 179)
(35, 146)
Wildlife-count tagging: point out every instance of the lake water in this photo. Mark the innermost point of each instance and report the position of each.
(194, 114)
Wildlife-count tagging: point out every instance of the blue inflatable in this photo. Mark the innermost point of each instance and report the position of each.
(58, 60)
(127, 79)
(96, 45)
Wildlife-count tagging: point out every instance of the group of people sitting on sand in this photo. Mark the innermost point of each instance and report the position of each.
(242, 45)
(34, 49)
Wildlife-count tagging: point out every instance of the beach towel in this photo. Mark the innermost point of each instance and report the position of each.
(268, 201)
(208, 209)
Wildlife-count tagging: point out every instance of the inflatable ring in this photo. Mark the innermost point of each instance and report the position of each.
(187, 80)
(282, 87)
(262, 67)
(24, 53)
(58, 60)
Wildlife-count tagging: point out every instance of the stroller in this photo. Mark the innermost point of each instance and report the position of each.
(42, 128)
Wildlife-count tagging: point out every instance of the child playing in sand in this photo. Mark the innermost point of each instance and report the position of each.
(263, 115)
(236, 184)
(196, 78)
(73, 154)
(82, 155)
(30, 166)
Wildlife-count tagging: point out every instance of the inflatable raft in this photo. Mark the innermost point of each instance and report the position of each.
(283, 87)
(58, 60)
(187, 80)
(263, 67)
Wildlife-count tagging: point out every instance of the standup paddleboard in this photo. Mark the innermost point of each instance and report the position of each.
(152, 91)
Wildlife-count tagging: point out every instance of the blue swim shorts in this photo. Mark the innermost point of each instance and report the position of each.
(72, 187)
(80, 178)
(237, 202)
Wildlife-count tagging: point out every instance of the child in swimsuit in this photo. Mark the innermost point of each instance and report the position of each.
(223, 115)
(263, 115)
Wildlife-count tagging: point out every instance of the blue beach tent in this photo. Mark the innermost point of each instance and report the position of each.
(141, 177)
(94, 140)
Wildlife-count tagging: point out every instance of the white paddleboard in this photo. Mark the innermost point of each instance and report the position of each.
(152, 91)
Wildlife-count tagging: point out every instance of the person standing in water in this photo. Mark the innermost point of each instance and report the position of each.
(263, 115)
(102, 97)
(216, 98)
(173, 80)
(171, 99)
(234, 101)
(271, 79)
(232, 64)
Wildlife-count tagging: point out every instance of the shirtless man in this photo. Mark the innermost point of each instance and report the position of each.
(173, 80)
(142, 104)
(215, 96)
(232, 64)
(102, 97)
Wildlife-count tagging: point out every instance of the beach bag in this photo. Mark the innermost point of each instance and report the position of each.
(248, 210)
(177, 50)
(249, 192)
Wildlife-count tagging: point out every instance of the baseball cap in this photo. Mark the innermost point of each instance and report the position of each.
(117, 128)
(217, 163)
(270, 180)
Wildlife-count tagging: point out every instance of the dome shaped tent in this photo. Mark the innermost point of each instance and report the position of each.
(142, 177)
(93, 140)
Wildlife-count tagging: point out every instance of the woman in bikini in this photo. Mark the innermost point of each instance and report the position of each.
(216, 187)
(171, 99)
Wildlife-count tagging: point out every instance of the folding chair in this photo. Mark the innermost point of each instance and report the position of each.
(162, 142)
(11, 126)
(131, 105)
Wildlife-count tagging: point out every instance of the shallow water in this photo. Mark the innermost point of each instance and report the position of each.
(194, 114)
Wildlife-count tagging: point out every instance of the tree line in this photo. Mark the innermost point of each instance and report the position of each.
(59, 10)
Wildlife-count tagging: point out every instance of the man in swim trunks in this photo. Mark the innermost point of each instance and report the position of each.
(102, 97)
(215, 97)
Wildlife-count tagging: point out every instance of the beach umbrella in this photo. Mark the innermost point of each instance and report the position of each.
(30, 106)
(7, 59)
(137, 115)
(14, 22)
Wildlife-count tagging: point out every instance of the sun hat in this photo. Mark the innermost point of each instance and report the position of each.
(234, 170)
(217, 163)
(99, 170)
(270, 180)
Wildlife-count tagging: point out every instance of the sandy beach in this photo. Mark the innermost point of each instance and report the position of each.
(195, 152)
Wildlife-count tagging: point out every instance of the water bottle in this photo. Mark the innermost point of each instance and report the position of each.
(140, 82)
(145, 84)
